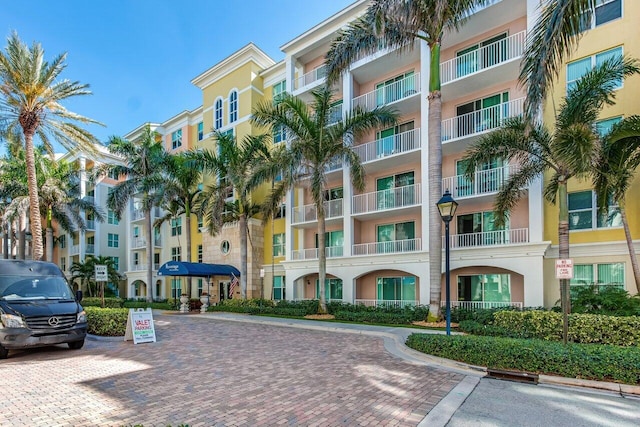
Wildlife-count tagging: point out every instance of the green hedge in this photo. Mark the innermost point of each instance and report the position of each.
(106, 321)
(583, 328)
(587, 361)
(374, 317)
(97, 302)
(414, 313)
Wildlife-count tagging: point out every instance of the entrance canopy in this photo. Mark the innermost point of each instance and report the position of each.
(196, 269)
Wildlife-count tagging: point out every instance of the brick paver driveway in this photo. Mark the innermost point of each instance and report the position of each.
(207, 372)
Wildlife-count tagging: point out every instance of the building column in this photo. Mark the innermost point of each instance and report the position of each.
(536, 207)
(533, 282)
(425, 60)
(347, 186)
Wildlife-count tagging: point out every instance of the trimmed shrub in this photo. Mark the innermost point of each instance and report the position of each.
(587, 361)
(415, 313)
(97, 302)
(106, 321)
(374, 317)
(483, 316)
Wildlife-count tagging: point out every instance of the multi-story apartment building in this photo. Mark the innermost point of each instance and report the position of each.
(377, 239)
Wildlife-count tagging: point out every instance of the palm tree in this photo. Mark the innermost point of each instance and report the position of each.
(85, 272)
(181, 192)
(232, 168)
(31, 91)
(618, 160)
(398, 24)
(554, 36)
(566, 153)
(146, 159)
(314, 143)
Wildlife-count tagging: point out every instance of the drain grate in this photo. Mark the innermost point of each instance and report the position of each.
(523, 377)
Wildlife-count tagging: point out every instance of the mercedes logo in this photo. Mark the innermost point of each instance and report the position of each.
(54, 321)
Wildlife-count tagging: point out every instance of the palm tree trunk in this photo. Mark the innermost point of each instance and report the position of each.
(435, 181)
(149, 231)
(34, 202)
(632, 250)
(563, 253)
(242, 223)
(322, 258)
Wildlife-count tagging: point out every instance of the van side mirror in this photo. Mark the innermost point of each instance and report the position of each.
(79, 295)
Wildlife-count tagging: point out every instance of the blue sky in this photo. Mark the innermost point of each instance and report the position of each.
(139, 56)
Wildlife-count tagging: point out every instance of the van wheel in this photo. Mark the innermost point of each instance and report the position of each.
(4, 353)
(76, 345)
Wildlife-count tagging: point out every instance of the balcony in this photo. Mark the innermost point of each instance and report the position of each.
(389, 247)
(138, 243)
(309, 213)
(402, 89)
(306, 254)
(388, 303)
(137, 214)
(74, 250)
(485, 182)
(394, 145)
(90, 248)
(91, 224)
(157, 241)
(481, 121)
(483, 58)
(477, 305)
(335, 114)
(313, 77)
(385, 200)
(488, 238)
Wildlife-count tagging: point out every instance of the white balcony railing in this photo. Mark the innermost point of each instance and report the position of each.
(157, 241)
(303, 254)
(91, 224)
(387, 94)
(484, 182)
(482, 58)
(90, 248)
(488, 238)
(74, 249)
(137, 214)
(388, 146)
(311, 77)
(138, 242)
(480, 121)
(476, 305)
(386, 302)
(308, 213)
(408, 195)
(390, 247)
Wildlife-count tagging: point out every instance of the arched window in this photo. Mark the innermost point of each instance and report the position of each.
(218, 114)
(233, 106)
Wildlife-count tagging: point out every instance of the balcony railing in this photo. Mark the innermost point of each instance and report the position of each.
(390, 247)
(311, 77)
(91, 224)
(137, 214)
(331, 252)
(74, 249)
(138, 242)
(387, 94)
(335, 114)
(480, 121)
(388, 146)
(489, 238)
(393, 198)
(308, 213)
(90, 248)
(476, 305)
(142, 265)
(482, 58)
(386, 302)
(484, 182)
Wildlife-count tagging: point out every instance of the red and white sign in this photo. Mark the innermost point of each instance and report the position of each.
(564, 269)
(140, 326)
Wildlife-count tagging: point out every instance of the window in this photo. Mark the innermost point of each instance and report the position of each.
(281, 212)
(395, 140)
(176, 139)
(116, 263)
(112, 240)
(396, 288)
(583, 212)
(112, 218)
(481, 114)
(62, 241)
(200, 131)
(278, 245)
(279, 134)
(218, 114)
(482, 55)
(605, 11)
(63, 263)
(136, 231)
(136, 258)
(396, 88)
(395, 190)
(579, 68)
(601, 274)
(335, 112)
(113, 174)
(176, 226)
(278, 288)
(200, 254)
(603, 127)
(200, 224)
(176, 253)
(489, 178)
(200, 281)
(334, 242)
(176, 287)
(394, 237)
(484, 288)
(233, 106)
(279, 89)
(334, 194)
(156, 260)
(480, 229)
(332, 289)
(225, 247)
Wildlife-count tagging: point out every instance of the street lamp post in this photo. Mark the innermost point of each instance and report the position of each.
(447, 207)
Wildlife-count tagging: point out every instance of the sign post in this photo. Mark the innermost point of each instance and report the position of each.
(102, 276)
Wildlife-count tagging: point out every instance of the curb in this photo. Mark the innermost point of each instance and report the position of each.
(91, 337)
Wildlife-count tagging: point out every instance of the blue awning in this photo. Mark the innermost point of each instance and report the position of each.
(196, 269)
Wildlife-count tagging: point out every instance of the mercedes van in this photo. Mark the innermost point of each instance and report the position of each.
(38, 307)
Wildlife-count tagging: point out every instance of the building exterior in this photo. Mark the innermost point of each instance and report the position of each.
(377, 239)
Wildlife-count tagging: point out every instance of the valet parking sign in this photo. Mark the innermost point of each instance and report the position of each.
(140, 326)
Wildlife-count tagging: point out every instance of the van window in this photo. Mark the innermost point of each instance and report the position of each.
(34, 288)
